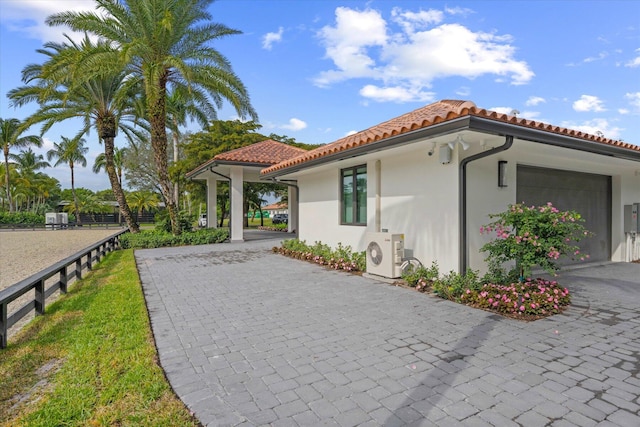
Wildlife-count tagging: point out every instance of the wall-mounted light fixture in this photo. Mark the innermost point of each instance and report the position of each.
(502, 173)
(458, 140)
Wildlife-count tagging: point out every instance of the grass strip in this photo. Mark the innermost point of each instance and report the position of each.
(90, 361)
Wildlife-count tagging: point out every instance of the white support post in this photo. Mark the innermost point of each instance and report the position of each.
(212, 202)
(237, 206)
(292, 194)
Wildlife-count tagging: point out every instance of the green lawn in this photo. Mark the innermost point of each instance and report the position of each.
(90, 360)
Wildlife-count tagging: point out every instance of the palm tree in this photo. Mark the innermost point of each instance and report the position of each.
(100, 162)
(165, 44)
(106, 102)
(11, 136)
(71, 152)
(143, 200)
(28, 161)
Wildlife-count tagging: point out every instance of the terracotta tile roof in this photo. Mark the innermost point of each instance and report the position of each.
(275, 206)
(267, 153)
(430, 115)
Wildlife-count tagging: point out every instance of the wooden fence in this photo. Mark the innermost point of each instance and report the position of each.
(80, 261)
(41, 227)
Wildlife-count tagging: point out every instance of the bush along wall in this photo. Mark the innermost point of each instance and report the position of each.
(341, 258)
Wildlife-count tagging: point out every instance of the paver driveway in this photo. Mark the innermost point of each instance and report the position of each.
(247, 337)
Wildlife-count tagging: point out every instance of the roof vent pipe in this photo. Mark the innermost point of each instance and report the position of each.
(462, 174)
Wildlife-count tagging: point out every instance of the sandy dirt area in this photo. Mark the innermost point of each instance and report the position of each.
(24, 253)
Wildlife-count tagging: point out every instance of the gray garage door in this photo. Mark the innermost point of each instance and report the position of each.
(588, 194)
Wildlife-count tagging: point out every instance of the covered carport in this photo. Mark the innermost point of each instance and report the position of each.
(239, 166)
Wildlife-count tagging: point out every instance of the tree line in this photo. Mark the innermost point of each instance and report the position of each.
(142, 70)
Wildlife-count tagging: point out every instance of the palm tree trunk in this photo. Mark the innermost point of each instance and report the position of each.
(157, 120)
(116, 187)
(75, 198)
(175, 160)
(6, 170)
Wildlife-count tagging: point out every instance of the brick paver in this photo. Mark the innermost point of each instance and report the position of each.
(248, 337)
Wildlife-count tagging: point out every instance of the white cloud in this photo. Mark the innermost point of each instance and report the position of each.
(294, 124)
(361, 44)
(534, 100)
(346, 44)
(531, 115)
(458, 11)
(395, 94)
(623, 111)
(588, 103)
(28, 16)
(351, 132)
(595, 127)
(600, 57)
(463, 91)
(635, 62)
(411, 21)
(634, 100)
(270, 38)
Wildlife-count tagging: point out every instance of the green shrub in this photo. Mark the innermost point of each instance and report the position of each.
(535, 235)
(21, 218)
(534, 297)
(342, 258)
(149, 239)
(163, 221)
(421, 277)
(451, 286)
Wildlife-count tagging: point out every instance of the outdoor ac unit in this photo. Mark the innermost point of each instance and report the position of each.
(384, 254)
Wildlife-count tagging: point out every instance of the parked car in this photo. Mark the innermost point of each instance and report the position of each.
(280, 219)
(202, 221)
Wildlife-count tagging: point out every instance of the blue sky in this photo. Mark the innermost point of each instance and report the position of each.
(317, 70)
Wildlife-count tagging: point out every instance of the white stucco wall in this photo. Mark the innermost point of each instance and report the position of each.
(420, 197)
(485, 197)
(419, 200)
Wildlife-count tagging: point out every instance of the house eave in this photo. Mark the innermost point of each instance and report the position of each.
(472, 123)
(193, 175)
(485, 125)
(439, 129)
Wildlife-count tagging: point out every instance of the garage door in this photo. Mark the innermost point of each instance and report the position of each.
(588, 194)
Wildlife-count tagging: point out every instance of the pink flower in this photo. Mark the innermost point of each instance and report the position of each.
(522, 308)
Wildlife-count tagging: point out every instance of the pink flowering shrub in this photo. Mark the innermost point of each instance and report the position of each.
(532, 298)
(530, 236)
(341, 258)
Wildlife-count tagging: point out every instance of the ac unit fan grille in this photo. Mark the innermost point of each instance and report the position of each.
(375, 253)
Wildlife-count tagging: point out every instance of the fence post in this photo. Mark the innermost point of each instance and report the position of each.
(89, 260)
(63, 280)
(40, 297)
(3, 325)
(79, 268)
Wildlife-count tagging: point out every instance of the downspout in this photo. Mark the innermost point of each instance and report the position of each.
(462, 176)
(229, 179)
(378, 219)
(291, 184)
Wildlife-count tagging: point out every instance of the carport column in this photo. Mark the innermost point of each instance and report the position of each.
(212, 202)
(292, 194)
(237, 207)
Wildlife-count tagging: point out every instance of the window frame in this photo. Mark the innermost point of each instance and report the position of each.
(354, 196)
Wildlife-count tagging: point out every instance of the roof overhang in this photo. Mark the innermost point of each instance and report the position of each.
(467, 123)
(221, 169)
(439, 129)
